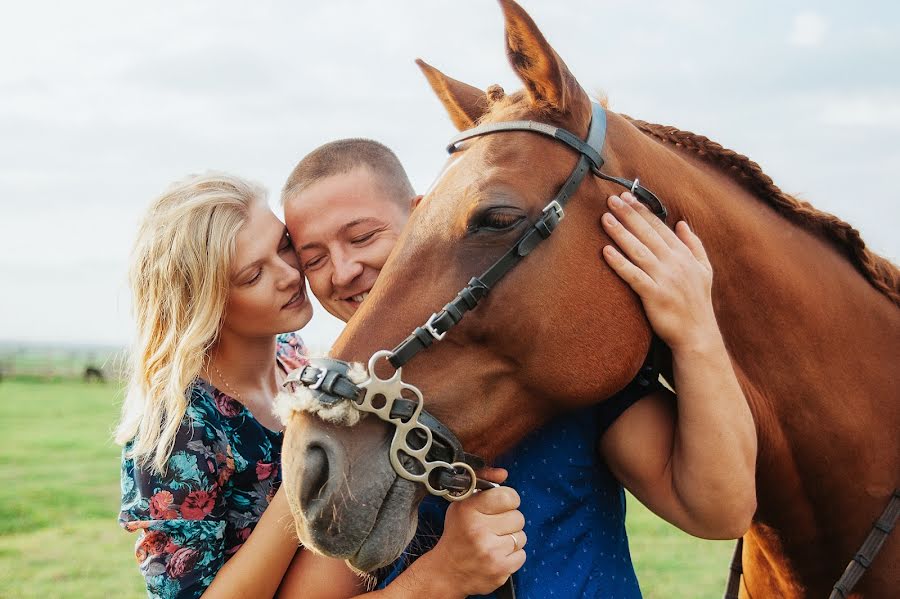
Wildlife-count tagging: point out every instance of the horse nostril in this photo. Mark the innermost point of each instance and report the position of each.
(315, 477)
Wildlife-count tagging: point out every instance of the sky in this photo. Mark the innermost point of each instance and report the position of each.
(103, 104)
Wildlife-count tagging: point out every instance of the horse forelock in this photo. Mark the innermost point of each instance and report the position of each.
(880, 272)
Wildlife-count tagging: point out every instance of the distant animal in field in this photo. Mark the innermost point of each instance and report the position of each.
(93, 374)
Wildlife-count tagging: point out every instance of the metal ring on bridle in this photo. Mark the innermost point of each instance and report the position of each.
(391, 389)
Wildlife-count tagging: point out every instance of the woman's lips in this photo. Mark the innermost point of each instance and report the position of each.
(297, 300)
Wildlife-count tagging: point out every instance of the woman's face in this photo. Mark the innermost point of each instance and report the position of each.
(267, 294)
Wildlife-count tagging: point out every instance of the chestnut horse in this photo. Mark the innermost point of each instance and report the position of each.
(809, 315)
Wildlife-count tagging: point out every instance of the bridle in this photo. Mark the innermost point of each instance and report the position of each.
(423, 450)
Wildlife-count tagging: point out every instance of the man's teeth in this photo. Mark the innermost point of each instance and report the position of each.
(359, 298)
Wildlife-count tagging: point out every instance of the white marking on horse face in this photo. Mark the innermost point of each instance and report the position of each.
(451, 164)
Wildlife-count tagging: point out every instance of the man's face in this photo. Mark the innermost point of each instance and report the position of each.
(344, 227)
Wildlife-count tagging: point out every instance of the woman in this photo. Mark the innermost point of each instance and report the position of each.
(216, 283)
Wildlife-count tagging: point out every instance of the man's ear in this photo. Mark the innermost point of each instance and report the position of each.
(413, 203)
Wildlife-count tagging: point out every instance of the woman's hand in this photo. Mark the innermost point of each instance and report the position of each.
(483, 540)
(668, 270)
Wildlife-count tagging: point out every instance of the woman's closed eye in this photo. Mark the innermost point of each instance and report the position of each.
(256, 277)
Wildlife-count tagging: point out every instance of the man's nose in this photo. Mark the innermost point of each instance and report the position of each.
(345, 271)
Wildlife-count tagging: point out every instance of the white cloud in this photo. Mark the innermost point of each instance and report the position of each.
(863, 110)
(808, 30)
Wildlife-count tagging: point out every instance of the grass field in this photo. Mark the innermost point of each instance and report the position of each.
(59, 494)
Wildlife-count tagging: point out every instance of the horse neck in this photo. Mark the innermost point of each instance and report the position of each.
(812, 341)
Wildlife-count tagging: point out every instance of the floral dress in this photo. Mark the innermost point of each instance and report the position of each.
(223, 471)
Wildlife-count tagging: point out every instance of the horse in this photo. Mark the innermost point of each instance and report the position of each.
(809, 316)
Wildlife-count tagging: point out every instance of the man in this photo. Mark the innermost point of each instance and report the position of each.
(692, 462)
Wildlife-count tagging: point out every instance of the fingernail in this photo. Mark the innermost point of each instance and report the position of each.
(609, 219)
(615, 202)
(628, 197)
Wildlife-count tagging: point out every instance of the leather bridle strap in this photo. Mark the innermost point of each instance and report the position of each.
(870, 548)
(588, 149)
(478, 287)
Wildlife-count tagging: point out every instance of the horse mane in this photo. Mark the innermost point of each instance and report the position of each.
(880, 272)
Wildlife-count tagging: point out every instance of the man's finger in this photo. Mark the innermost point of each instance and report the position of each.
(637, 225)
(693, 243)
(636, 278)
(629, 245)
(654, 221)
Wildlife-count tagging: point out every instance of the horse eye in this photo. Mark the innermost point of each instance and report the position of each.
(497, 220)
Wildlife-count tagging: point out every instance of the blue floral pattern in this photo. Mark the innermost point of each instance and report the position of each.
(223, 471)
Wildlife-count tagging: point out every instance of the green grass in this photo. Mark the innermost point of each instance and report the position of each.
(59, 494)
(670, 563)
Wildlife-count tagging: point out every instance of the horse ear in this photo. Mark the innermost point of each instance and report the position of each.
(464, 103)
(547, 79)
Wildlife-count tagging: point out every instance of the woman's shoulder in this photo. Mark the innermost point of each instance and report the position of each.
(291, 350)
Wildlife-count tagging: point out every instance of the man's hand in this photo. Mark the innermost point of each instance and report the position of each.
(695, 463)
(668, 270)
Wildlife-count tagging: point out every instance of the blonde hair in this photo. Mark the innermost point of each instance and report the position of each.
(180, 272)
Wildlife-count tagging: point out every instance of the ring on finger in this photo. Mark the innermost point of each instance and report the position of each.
(515, 541)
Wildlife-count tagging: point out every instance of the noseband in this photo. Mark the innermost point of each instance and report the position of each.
(423, 450)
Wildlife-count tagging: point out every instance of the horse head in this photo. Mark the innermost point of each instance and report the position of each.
(559, 332)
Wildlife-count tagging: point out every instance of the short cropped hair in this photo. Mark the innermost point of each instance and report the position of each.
(342, 156)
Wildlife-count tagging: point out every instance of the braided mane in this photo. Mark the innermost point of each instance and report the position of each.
(878, 271)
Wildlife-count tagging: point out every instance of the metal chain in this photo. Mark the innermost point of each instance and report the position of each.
(231, 389)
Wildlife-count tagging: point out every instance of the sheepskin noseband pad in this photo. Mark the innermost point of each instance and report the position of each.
(325, 387)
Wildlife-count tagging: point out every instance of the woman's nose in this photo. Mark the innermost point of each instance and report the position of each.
(291, 275)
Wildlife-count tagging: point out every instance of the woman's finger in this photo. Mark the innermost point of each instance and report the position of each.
(517, 540)
(493, 501)
(494, 475)
(507, 522)
(631, 274)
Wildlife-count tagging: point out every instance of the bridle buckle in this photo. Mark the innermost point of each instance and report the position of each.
(556, 207)
(429, 326)
(320, 378)
(635, 185)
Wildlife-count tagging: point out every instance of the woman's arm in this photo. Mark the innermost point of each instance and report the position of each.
(258, 566)
(474, 556)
